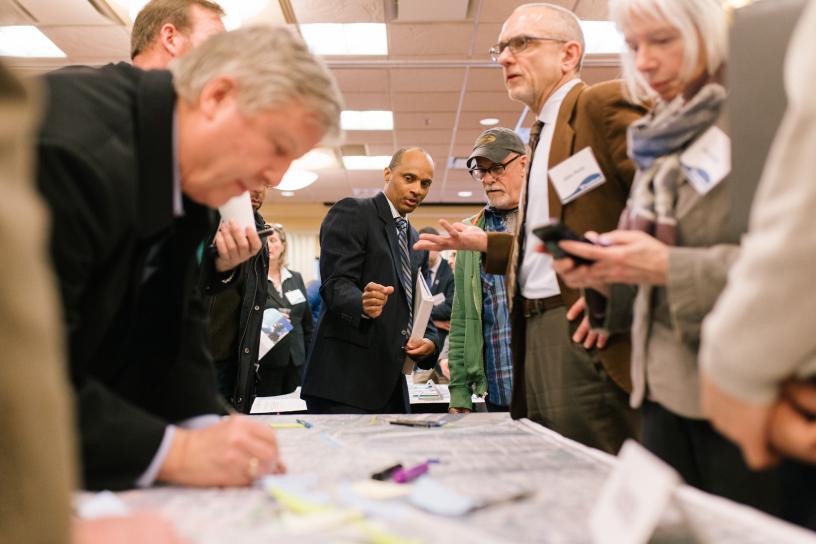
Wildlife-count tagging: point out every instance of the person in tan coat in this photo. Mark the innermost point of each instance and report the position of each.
(560, 379)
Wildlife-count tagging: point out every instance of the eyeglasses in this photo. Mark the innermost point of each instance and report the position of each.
(497, 170)
(517, 45)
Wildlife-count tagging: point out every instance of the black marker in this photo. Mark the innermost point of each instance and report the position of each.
(386, 474)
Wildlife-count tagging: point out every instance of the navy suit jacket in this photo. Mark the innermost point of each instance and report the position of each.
(356, 360)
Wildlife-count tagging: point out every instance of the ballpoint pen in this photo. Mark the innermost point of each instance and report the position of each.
(415, 423)
(304, 423)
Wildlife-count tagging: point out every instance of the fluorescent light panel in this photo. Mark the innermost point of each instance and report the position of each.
(602, 37)
(367, 120)
(334, 39)
(27, 41)
(295, 179)
(357, 162)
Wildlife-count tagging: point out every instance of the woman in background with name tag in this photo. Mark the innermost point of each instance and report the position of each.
(281, 366)
(662, 271)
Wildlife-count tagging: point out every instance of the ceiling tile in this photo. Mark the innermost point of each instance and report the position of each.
(430, 40)
(366, 101)
(423, 120)
(368, 136)
(347, 11)
(423, 137)
(412, 101)
(427, 79)
(361, 79)
(485, 79)
(495, 101)
(90, 43)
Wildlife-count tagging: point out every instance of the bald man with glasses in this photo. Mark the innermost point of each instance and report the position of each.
(561, 378)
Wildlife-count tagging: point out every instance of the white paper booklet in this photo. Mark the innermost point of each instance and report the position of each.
(423, 304)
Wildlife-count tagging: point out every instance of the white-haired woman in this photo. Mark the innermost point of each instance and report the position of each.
(662, 271)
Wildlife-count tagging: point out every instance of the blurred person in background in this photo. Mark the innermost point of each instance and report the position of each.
(281, 368)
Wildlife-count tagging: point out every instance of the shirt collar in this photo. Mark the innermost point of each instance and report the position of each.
(178, 206)
(394, 212)
(285, 274)
(435, 267)
(549, 113)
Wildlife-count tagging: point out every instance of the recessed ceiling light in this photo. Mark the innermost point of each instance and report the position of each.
(316, 159)
(346, 39)
(27, 41)
(367, 120)
(489, 122)
(287, 194)
(295, 179)
(602, 37)
(465, 194)
(376, 162)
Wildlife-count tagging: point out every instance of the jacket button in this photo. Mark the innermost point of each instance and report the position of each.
(404, 332)
(257, 308)
(246, 350)
(240, 399)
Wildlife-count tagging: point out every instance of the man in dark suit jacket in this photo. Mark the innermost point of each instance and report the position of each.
(356, 364)
(127, 168)
(560, 378)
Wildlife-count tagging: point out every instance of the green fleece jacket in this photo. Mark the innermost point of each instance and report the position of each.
(466, 341)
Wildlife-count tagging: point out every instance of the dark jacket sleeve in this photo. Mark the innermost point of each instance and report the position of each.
(342, 258)
(81, 210)
(442, 312)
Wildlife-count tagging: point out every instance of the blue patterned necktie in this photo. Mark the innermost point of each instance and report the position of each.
(405, 266)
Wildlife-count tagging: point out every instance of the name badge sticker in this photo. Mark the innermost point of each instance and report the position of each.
(295, 296)
(708, 160)
(576, 176)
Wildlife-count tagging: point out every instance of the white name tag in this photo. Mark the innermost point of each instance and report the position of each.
(708, 160)
(295, 296)
(576, 175)
(634, 498)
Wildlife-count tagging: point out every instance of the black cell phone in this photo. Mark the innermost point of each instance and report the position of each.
(263, 233)
(211, 250)
(553, 232)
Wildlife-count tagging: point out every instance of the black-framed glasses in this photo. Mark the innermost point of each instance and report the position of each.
(497, 170)
(517, 44)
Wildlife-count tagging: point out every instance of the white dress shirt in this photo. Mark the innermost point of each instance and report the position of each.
(537, 277)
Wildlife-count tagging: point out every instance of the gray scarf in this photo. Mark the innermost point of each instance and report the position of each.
(655, 144)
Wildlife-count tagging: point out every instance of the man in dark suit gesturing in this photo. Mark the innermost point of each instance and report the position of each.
(369, 273)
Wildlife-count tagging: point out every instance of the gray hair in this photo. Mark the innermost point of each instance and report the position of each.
(566, 26)
(703, 24)
(272, 67)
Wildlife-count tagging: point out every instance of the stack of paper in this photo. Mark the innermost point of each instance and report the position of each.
(423, 305)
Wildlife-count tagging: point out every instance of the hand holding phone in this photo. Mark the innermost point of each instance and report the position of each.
(553, 232)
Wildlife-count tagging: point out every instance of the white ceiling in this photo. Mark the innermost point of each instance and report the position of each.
(437, 79)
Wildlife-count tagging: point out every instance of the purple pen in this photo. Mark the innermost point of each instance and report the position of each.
(405, 475)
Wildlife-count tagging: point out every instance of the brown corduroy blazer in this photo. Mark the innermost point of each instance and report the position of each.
(590, 116)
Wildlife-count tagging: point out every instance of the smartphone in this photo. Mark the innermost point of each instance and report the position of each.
(553, 232)
(263, 233)
(211, 250)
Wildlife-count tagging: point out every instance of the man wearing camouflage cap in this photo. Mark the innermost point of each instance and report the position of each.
(479, 354)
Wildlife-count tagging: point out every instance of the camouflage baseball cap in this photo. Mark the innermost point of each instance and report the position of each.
(494, 144)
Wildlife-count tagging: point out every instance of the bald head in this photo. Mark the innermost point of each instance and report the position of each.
(540, 48)
(553, 21)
